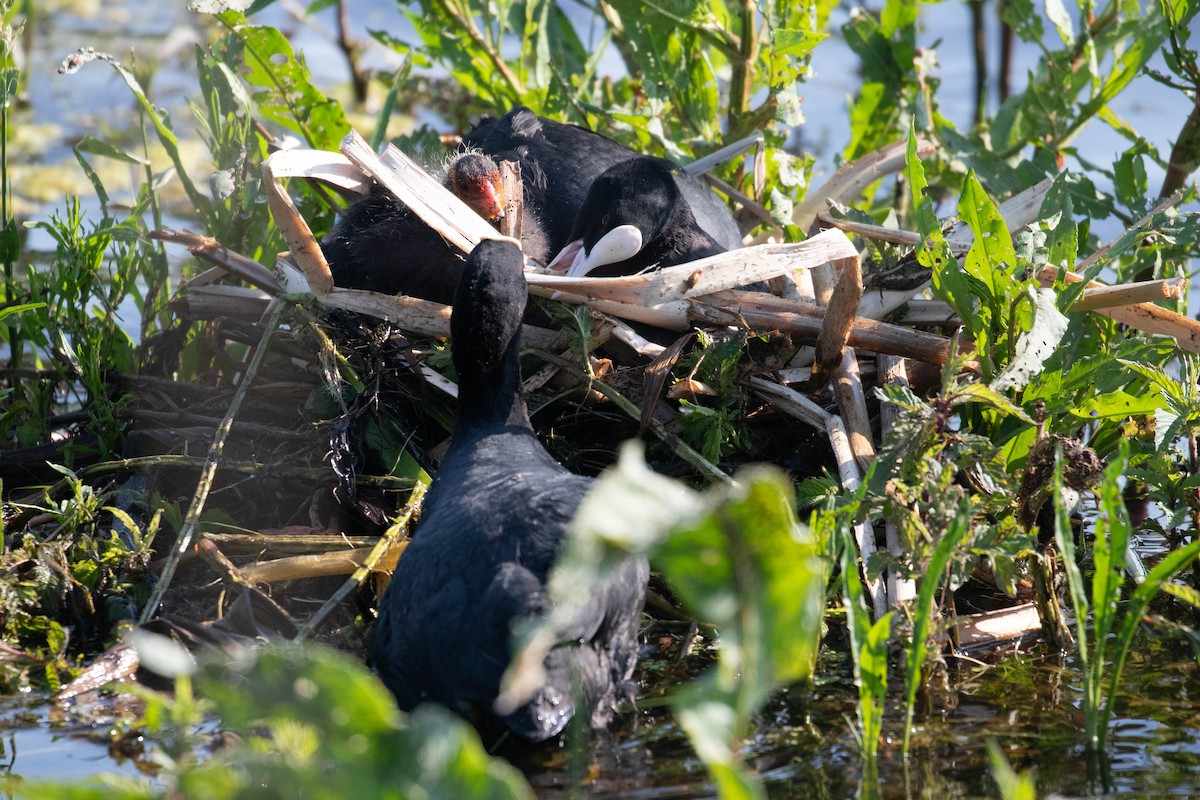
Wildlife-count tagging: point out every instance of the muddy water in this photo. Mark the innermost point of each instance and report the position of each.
(804, 746)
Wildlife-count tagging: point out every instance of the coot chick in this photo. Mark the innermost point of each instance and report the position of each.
(643, 213)
(493, 523)
(558, 164)
(382, 246)
(475, 178)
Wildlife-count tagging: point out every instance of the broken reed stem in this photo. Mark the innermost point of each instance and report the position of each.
(317, 565)
(1127, 294)
(390, 538)
(766, 312)
(209, 249)
(841, 305)
(514, 198)
(192, 520)
(852, 403)
(892, 372)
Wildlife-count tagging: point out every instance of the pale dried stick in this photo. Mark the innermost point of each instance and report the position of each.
(792, 402)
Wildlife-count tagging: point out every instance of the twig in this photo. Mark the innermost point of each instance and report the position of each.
(840, 307)
(1126, 294)
(204, 485)
(765, 312)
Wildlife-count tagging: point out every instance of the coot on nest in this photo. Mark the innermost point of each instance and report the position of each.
(642, 213)
(493, 524)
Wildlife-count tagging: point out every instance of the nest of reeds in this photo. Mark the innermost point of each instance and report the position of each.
(320, 446)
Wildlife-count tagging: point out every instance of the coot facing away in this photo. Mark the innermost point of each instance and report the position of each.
(646, 212)
(493, 523)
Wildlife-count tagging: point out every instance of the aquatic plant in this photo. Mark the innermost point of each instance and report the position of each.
(1105, 624)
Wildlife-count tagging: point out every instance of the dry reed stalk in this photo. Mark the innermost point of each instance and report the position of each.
(213, 302)
(274, 544)
(322, 565)
(766, 312)
(1145, 317)
(840, 306)
(514, 199)
(208, 249)
(1128, 294)
(852, 403)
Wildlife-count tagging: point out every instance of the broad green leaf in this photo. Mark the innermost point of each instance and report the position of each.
(796, 43)
(990, 395)
(1118, 404)
(949, 282)
(1036, 345)
(992, 258)
(90, 144)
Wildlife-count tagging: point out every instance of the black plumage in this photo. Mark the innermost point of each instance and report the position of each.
(382, 246)
(643, 213)
(493, 523)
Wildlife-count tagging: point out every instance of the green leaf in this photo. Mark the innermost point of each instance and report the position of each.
(1036, 345)
(796, 43)
(98, 147)
(1118, 404)
(914, 657)
(286, 93)
(948, 281)
(735, 555)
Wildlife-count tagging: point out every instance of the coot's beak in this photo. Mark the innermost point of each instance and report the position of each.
(494, 207)
(562, 262)
(621, 243)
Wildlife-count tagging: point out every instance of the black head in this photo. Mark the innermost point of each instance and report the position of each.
(639, 192)
(475, 178)
(488, 307)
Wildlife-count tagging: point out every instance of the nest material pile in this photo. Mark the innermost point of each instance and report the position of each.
(312, 504)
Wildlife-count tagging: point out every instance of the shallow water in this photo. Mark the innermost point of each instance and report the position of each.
(804, 746)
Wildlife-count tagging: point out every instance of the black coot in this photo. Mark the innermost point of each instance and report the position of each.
(642, 213)
(493, 523)
(558, 164)
(382, 246)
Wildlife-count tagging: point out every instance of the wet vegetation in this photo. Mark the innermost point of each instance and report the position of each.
(207, 480)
